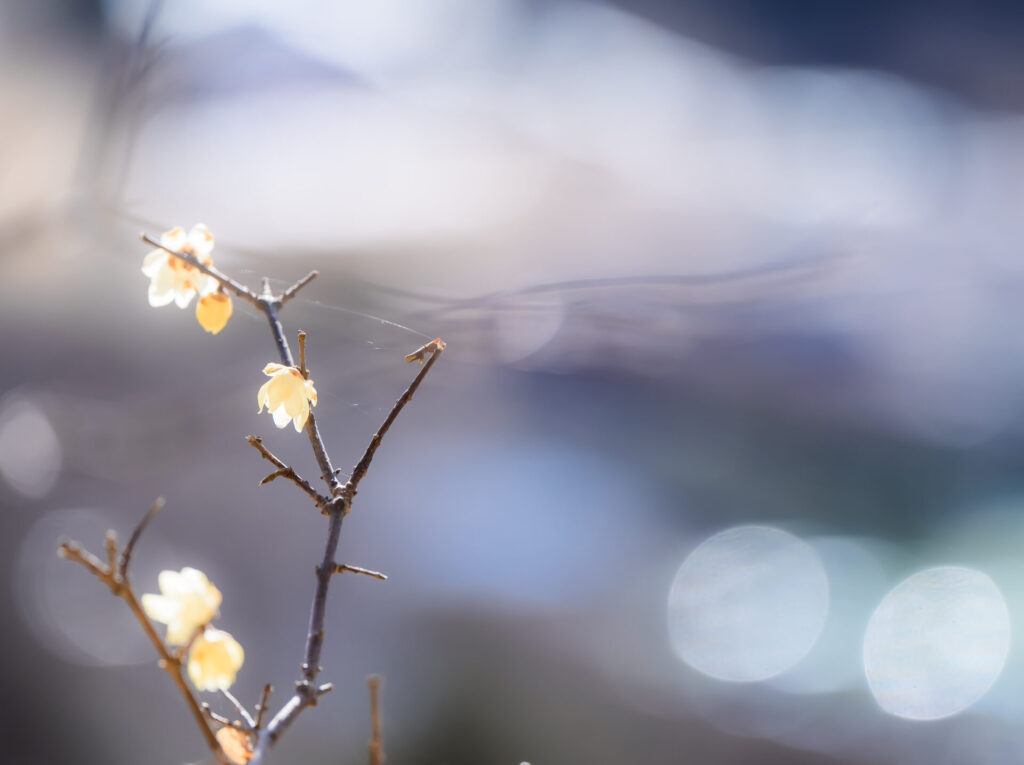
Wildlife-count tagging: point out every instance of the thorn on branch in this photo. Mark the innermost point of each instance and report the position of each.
(341, 567)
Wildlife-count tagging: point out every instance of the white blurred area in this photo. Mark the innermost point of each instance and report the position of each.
(471, 148)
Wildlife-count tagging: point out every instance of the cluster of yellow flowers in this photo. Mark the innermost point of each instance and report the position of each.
(173, 279)
(187, 603)
(288, 393)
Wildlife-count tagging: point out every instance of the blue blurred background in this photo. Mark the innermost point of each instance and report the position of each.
(722, 465)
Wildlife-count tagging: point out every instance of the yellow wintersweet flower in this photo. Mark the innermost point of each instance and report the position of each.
(187, 601)
(214, 660)
(287, 395)
(213, 311)
(172, 278)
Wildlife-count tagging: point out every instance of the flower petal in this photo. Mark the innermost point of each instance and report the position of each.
(263, 396)
(159, 608)
(281, 417)
(174, 239)
(153, 262)
(183, 297)
(213, 312)
(301, 417)
(311, 392)
(201, 240)
(273, 368)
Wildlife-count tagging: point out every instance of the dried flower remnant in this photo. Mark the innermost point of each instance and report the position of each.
(187, 601)
(214, 660)
(213, 311)
(171, 278)
(237, 745)
(287, 395)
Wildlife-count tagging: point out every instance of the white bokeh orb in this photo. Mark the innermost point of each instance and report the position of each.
(748, 604)
(936, 643)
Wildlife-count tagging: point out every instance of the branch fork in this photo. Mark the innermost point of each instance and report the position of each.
(260, 735)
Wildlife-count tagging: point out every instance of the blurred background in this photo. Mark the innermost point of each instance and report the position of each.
(722, 465)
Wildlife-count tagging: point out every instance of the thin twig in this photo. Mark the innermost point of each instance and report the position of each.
(110, 540)
(121, 587)
(239, 707)
(289, 293)
(302, 355)
(342, 567)
(126, 555)
(376, 744)
(435, 348)
(261, 707)
(286, 471)
(221, 720)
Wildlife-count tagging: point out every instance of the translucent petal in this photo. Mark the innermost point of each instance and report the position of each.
(273, 368)
(311, 392)
(300, 419)
(201, 240)
(172, 583)
(159, 608)
(153, 262)
(174, 239)
(183, 297)
(281, 417)
(263, 396)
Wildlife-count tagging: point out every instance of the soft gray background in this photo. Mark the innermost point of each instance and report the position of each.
(698, 264)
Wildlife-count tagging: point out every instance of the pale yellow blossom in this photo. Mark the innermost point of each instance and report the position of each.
(236, 744)
(187, 601)
(214, 660)
(213, 312)
(171, 278)
(287, 395)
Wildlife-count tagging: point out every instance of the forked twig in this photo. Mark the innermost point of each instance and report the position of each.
(116, 579)
(285, 471)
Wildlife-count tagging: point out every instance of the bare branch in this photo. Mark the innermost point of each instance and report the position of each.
(261, 707)
(376, 750)
(435, 348)
(239, 707)
(221, 720)
(286, 471)
(342, 567)
(126, 555)
(289, 293)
